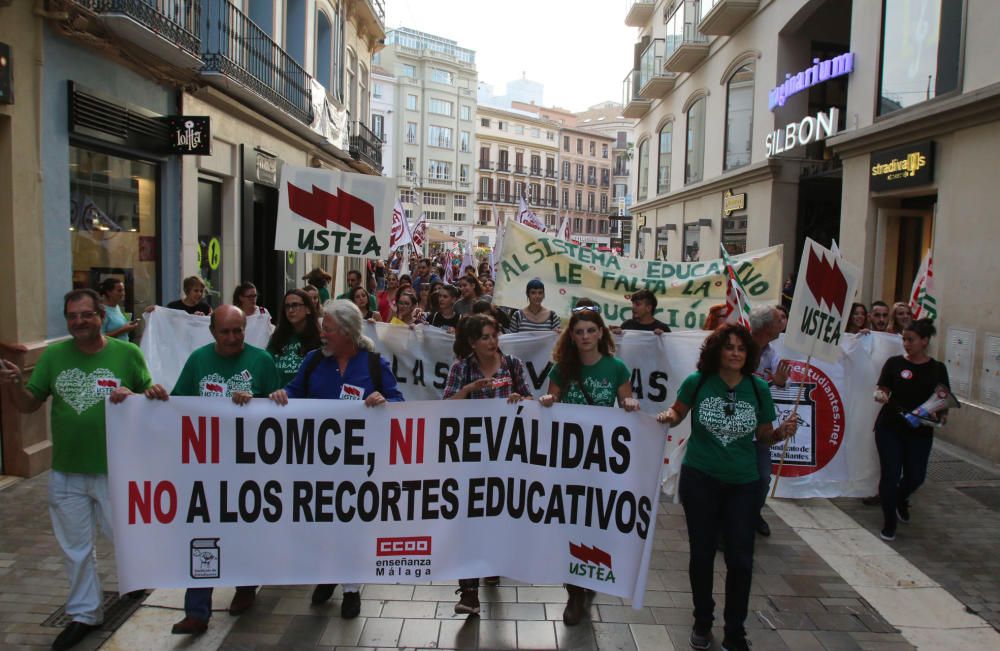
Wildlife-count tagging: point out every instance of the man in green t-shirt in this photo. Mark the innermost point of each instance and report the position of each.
(228, 368)
(354, 281)
(79, 374)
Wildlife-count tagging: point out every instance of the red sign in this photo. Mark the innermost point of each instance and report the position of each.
(826, 281)
(404, 546)
(594, 555)
(320, 207)
(821, 422)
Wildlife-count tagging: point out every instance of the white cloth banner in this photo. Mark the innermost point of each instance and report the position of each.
(170, 336)
(205, 493)
(833, 453)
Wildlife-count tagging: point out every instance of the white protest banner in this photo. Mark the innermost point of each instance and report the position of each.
(334, 212)
(821, 304)
(170, 336)
(205, 493)
(685, 290)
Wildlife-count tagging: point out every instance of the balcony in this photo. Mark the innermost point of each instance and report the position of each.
(234, 49)
(440, 180)
(635, 104)
(591, 180)
(654, 81)
(686, 47)
(484, 196)
(639, 12)
(536, 171)
(723, 17)
(165, 28)
(520, 169)
(503, 167)
(486, 165)
(366, 146)
(550, 174)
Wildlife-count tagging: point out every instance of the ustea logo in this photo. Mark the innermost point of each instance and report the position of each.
(591, 562)
(405, 546)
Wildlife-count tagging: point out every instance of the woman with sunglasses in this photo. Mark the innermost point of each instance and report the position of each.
(719, 486)
(586, 372)
(297, 333)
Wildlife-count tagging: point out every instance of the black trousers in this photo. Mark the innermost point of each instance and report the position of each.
(902, 456)
(712, 507)
(764, 470)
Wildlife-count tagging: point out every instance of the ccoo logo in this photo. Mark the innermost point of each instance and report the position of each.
(403, 546)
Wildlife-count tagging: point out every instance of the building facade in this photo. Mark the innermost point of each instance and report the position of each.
(517, 157)
(585, 184)
(434, 128)
(160, 128)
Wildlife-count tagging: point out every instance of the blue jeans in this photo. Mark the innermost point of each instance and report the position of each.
(902, 456)
(198, 601)
(712, 507)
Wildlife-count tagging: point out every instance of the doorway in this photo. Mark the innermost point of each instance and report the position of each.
(260, 263)
(904, 235)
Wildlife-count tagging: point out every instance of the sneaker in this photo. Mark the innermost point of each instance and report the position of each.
(322, 593)
(468, 603)
(701, 638)
(736, 644)
(888, 534)
(350, 607)
(190, 626)
(73, 634)
(762, 527)
(903, 512)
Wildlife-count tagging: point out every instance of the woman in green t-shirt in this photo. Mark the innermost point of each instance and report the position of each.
(297, 333)
(719, 486)
(586, 372)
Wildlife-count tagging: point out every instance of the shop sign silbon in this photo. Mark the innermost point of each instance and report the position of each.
(333, 212)
(902, 167)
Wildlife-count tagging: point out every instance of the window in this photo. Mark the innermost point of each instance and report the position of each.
(566, 173)
(484, 122)
(579, 200)
(439, 136)
(579, 173)
(435, 199)
(501, 125)
(663, 155)
(440, 107)
(411, 102)
(209, 228)
(411, 132)
(536, 132)
(604, 202)
(364, 110)
(378, 126)
(458, 217)
(329, 38)
(406, 70)
(694, 163)
(484, 216)
(407, 196)
(692, 242)
(439, 170)
(410, 165)
(593, 148)
(565, 198)
(604, 150)
(518, 129)
(643, 189)
(464, 141)
(351, 85)
(408, 212)
(579, 145)
(590, 201)
(503, 190)
(465, 113)
(921, 50)
(113, 204)
(577, 224)
(441, 76)
(463, 173)
(565, 143)
(377, 91)
(603, 226)
(436, 215)
(739, 118)
(460, 200)
(550, 136)
(536, 164)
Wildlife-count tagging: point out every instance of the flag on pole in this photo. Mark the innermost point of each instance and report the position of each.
(565, 230)
(419, 231)
(468, 260)
(527, 217)
(737, 304)
(923, 305)
(399, 234)
(501, 226)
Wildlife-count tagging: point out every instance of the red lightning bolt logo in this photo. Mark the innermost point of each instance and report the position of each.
(594, 555)
(320, 207)
(826, 281)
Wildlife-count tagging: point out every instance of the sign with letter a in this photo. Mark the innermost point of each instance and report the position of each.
(821, 305)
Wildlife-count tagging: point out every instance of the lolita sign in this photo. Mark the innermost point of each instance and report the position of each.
(819, 72)
(810, 129)
(190, 135)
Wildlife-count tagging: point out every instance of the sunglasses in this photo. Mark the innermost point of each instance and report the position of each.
(586, 308)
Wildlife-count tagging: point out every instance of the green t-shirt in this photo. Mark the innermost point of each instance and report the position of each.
(724, 426)
(601, 381)
(208, 374)
(288, 359)
(78, 384)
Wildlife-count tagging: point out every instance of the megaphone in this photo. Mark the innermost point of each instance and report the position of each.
(926, 414)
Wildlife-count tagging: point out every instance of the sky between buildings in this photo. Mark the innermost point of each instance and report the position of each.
(579, 49)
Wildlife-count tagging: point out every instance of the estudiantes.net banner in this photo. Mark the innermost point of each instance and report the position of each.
(205, 493)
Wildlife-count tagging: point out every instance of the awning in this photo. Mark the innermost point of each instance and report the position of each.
(435, 235)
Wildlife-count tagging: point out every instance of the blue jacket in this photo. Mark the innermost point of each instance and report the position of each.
(325, 380)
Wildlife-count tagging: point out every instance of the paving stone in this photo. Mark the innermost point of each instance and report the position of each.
(576, 637)
(651, 637)
(496, 634)
(459, 634)
(419, 633)
(381, 632)
(626, 615)
(614, 637)
(536, 635)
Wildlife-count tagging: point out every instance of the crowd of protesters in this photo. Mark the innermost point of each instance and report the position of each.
(318, 348)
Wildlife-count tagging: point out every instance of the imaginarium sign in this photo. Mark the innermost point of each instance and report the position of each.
(817, 73)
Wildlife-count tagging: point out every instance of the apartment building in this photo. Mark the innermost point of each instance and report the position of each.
(517, 157)
(160, 129)
(434, 127)
(384, 113)
(872, 123)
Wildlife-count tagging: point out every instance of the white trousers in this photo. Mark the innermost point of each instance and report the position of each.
(78, 505)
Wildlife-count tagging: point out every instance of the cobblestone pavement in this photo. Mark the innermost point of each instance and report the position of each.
(954, 530)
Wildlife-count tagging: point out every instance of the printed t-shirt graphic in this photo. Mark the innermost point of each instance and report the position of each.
(289, 359)
(208, 374)
(601, 380)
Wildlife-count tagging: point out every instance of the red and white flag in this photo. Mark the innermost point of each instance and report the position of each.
(399, 234)
(527, 217)
(737, 303)
(419, 231)
(923, 305)
(565, 231)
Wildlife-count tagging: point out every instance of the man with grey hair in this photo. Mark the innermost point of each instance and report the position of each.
(345, 368)
(766, 323)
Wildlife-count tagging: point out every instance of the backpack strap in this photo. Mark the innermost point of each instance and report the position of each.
(586, 395)
(375, 370)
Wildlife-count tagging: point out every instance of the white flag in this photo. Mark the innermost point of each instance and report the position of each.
(419, 231)
(399, 233)
(565, 231)
(527, 217)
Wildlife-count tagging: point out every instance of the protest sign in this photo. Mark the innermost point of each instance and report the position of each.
(206, 493)
(334, 212)
(685, 290)
(170, 336)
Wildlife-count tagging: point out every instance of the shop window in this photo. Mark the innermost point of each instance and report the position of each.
(692, 242)
(643, 189)
(210, 266)
(739, 118)
(114, 220)
(663, 158)
(921, 51)
(694, 162)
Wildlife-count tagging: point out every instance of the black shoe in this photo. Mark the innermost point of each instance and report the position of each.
(136, 595)
(242, 600)
(736, 644)
(576, 605)
(468, 602)
(322, 593)
(350, 607)
(874, 500)
(701, 638)
(190, 626)
(887, 534)
(73, 634)
(762, 527)
(903, 512)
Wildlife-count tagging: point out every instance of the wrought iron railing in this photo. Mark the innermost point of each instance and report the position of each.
(235, 46)
(365, 145)
(174, 20)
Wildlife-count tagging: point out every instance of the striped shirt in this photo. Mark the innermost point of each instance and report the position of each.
(519, 322)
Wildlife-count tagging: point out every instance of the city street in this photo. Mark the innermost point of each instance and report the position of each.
(823, 580)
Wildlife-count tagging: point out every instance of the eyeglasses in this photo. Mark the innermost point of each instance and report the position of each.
(81, 316)
(294, 306)
(586, 308)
